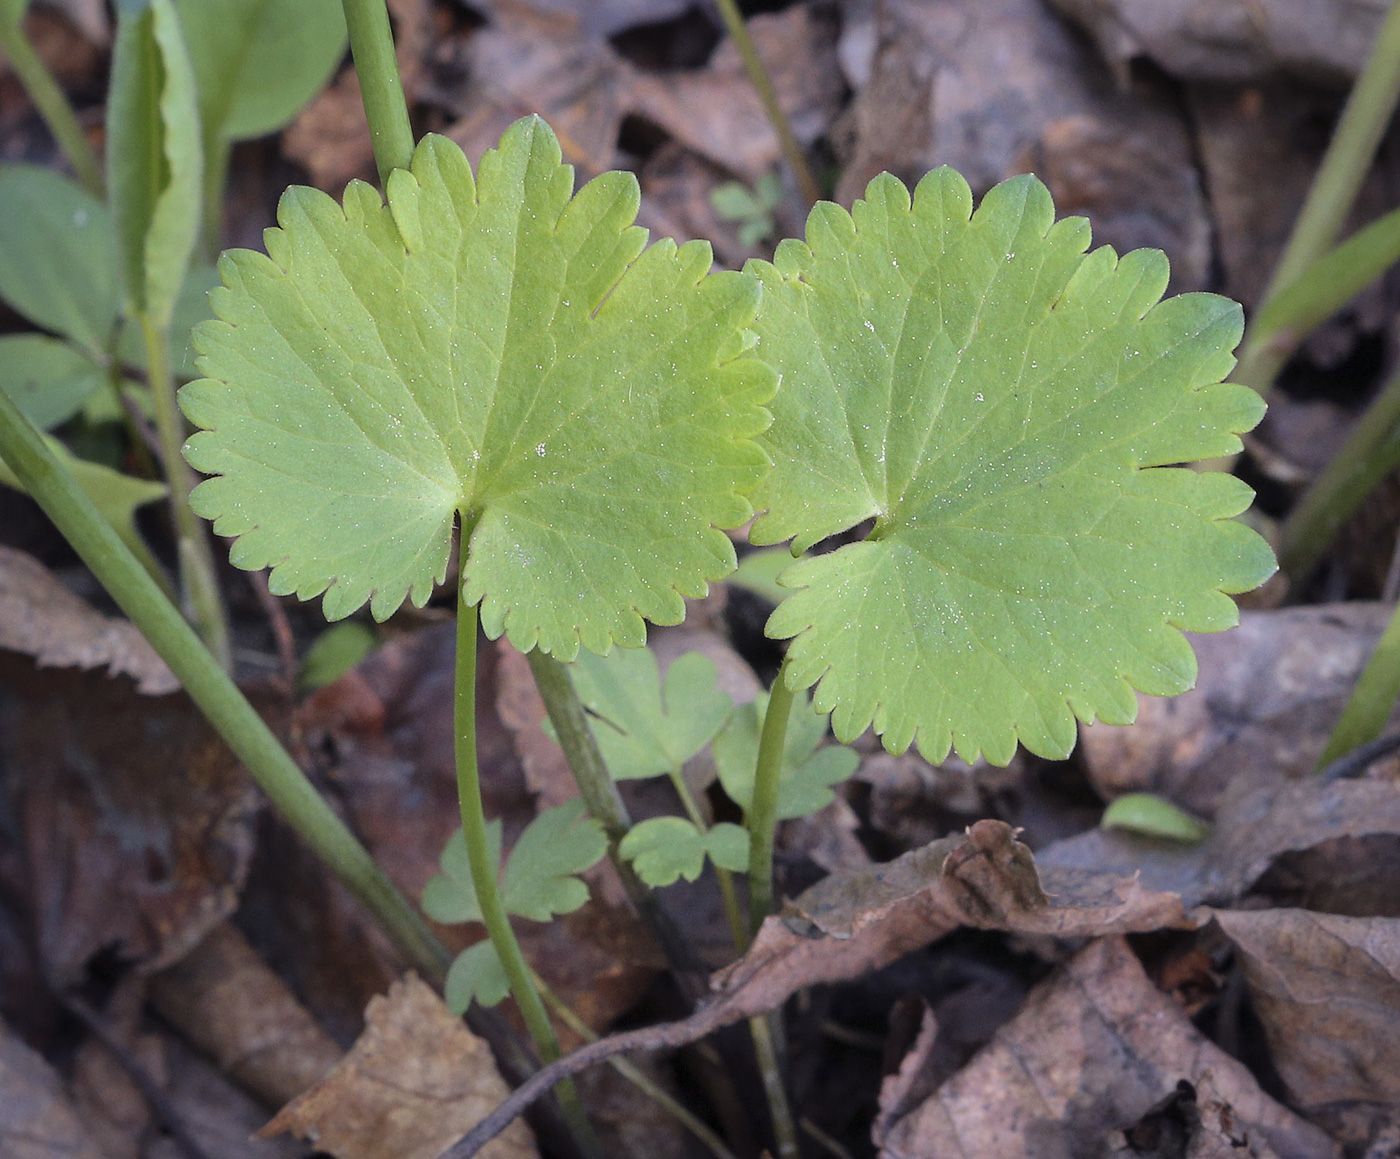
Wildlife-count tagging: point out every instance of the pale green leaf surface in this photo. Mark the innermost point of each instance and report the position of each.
(49, 380)
(1003, 406)
(154, 158)
(57, 255)
(257, 62)
(334, 652)
(539, 879)
(449, 896)
(1154, 816)
(663, 849)
(639, 732)
(758, 572)
(475, 976)
(807, 771)
(493, 347)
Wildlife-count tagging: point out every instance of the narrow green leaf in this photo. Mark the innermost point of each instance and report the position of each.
(191, 308)
(154, 159)
(539, 879)
(1372, 700)
(1154, 816)
(334, 652)
(758, 572)
(663, 849)
(495, 348)
(475, 976)
(808, 769)
(1004, 407)
(57, 255)
(640, 733)
(12, 11)
(48, 379)
(1333, 280)
(257, 62)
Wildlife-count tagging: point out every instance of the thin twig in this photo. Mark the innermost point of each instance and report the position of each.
(1360, 758)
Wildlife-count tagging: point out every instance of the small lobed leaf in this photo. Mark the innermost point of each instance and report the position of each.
(476, 975)
(1006, 409)
(58, 255)
(641, 733)
(449, 897)
(488, 346)
(663, 849)
(808, 769)
(539, 878)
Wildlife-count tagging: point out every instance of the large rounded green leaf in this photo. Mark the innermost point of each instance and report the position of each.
(1003, 407)
(495, 348)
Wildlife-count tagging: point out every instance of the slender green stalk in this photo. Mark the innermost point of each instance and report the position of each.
(635, 1076)
(1372, 700)
(784, 1129)
(488, 894)
(1371, 452)
(605, 804)
(137, 594)
(1331, 197)
(53, 106)
(372, 45)
(737, 929)
(198, 578)
(762, 820)
(217, 151)
(768, 97)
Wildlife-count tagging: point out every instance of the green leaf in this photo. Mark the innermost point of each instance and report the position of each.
(191, 308)
(12, 12)
(758, 572)
(257, 62)
(639, 733)
(538, 881)
(807, 769)
(1003, 407)
(494, 348)
(663, 849)
(1154, 816)
(154, 160)
(1333, 280)
(334, 652)
(48, 379)
(57, 255)
(539, 878)
(475, 976)
(732, 201)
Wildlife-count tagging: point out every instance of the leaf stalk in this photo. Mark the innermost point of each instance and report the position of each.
(762, 819)
(381, 90)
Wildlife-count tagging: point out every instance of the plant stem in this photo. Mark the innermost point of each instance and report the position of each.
(198, 577)
(213, 692)
(737, 929)
(1372, 700)
(488, 895)
(784, 1129)
(372, 45)
(52, 105)
(768, 97)
(605, 804)
(1371, 452)
(217, 152)
(763, 811)
(635, 1076)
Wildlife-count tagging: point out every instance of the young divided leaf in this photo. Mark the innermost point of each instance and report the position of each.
(808, 769)
(491, 347)
(663, 849)
(1005, 408)
(640, 732)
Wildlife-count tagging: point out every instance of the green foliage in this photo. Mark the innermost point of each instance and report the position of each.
(758, 572)
(154, 159)
(475, 976)
(639, 732)
(57, 258)
(12, 12)
(808, 768)
(538, 881)
(257, 62)
(191, 308)
(494, 348)
(752, 208)
(1154, 816)
(334, 652)
(663, 849)
(49, 380)
(1003, 406)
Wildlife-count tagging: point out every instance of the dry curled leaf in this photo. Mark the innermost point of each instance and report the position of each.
(42, 618)
(37, 1120)
(414, 1081)
(1095, 1049)
(852, 923)
(1327, 989)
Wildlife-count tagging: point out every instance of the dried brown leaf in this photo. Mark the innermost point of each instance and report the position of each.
(1095, 1049)
(1327, 989)
(37, 1120)
(855, 922)
(414, 1081)
(42, 618)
